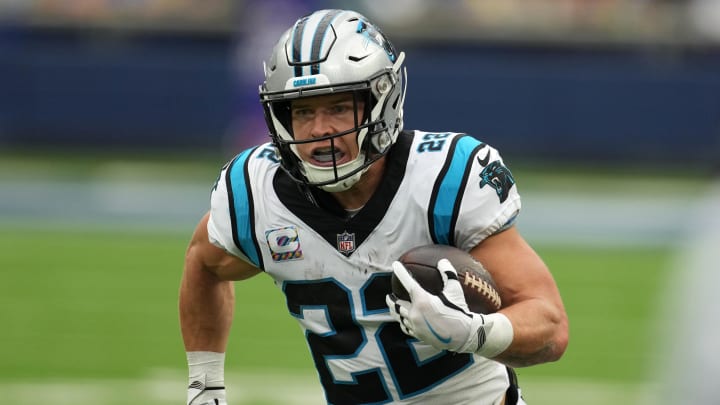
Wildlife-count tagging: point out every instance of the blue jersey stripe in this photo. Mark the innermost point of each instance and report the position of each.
(241, 208)
(445, 200)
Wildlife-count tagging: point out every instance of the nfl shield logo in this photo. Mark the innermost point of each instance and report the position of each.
(346, 243)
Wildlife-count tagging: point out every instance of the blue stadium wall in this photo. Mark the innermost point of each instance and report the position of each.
(72, 88)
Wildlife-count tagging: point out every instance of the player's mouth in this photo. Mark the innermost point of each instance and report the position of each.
(325, 156)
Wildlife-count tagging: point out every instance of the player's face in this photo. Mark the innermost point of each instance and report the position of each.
(315, 117)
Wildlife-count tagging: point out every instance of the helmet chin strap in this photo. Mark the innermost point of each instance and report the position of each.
(317, 174)
(343, 185)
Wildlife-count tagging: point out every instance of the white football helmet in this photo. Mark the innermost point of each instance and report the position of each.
(329, 52)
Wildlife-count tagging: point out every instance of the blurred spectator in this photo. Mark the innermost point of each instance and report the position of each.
(704, 17)
(150, 13)
(260, 23)
(398, 12)
(10, 9)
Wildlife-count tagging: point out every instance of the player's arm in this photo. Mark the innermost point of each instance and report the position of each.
(531, 300)
(207, 299)
(531, 328)
(207, 293)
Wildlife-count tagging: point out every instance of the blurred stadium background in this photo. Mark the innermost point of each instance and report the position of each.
(115, 116)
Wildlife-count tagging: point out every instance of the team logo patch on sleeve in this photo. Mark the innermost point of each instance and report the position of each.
(284, 244)
(498, 177)
(346, 243)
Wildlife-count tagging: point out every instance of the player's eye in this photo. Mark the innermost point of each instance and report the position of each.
(303, 113)
(342, 108)
(339, 108)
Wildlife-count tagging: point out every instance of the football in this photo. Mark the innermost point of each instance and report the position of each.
(478, 285)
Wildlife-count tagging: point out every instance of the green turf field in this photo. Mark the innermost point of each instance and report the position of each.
(100, 306)
(88, 299)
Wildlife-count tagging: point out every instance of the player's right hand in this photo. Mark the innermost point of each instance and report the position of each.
(200, 395)
(445, 321)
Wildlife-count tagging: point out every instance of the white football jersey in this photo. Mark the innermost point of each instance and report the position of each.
(335, 269)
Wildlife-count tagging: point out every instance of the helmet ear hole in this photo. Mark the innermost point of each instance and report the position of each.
(283, 114)
(395, 102)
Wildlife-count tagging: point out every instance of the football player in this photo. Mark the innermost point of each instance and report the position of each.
(328, 206)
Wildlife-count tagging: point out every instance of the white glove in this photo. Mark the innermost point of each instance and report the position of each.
(206, 395)
(444, 321)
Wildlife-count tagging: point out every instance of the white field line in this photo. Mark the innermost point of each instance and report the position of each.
(687, 320)
(166, 388)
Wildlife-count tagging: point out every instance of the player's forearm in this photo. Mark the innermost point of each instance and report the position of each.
(540, 334)
(206, 310)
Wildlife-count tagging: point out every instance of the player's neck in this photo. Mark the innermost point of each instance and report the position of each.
(356, 197)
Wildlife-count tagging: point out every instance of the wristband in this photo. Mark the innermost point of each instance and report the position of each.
(207, 367)
(498, 337)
